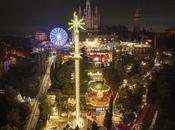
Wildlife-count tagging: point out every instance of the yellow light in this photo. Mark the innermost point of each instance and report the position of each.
(76, 23)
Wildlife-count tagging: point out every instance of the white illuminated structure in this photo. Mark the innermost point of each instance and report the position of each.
(58, 36)
(75, 24)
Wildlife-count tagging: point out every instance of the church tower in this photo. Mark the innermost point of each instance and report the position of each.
(87, 15)
(92, 20)
(96, 18)
(136, 28)
(79, 12)
(136, 19)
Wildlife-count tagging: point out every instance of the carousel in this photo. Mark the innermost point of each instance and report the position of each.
(98, 94)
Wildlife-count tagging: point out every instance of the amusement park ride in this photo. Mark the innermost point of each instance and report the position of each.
(58, 36)
(77, 24)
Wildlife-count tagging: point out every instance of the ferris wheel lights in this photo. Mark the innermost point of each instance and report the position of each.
(58, 36)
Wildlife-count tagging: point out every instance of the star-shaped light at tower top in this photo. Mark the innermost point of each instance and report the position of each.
(76, 23)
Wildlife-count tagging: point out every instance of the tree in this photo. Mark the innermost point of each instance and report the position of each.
(94, 125)
(45, 108)
(111, 77)
(64, 79)
(108, 120)
(8, 127)
(108, 116)
(77, 128)
(129, 99)
(12, 93)
(123, 62)
(164, 95)
(13, 117)
(23, 77)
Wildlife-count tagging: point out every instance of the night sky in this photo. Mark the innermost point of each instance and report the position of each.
(27, 16)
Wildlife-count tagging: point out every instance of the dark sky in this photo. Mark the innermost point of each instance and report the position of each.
(26, 16)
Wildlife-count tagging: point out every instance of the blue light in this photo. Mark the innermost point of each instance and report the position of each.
(58, 36)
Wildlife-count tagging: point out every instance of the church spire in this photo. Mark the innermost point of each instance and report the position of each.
(136, 29)
(136, 20)
(87, 3)
(136, 14)
(96, 11)
(80, 12)
(88, 7)
(91, 18)
(88, 15)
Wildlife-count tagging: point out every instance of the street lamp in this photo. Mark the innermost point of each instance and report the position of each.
(77, 24)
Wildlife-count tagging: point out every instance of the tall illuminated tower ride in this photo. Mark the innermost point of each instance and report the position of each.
(77, 24)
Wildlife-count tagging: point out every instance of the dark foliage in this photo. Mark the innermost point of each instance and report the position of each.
(162, 93)
(65, 76)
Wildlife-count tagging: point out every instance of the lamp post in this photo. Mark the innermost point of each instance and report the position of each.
(77, 24)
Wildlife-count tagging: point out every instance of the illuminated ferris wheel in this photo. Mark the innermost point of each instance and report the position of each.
(58, 36)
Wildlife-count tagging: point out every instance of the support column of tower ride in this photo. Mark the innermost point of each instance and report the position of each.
(75, 24)
(77, 73)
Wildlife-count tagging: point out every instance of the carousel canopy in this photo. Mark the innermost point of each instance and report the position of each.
(99, 86)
